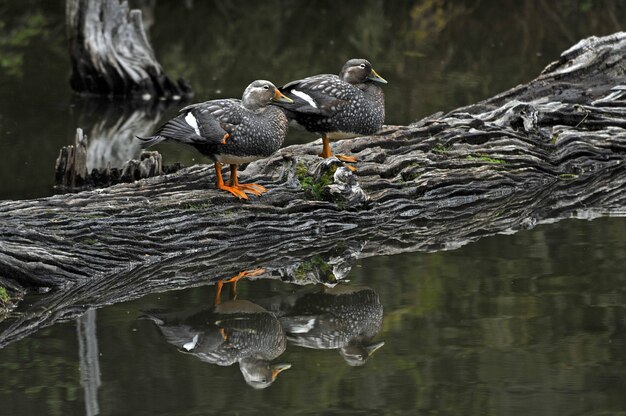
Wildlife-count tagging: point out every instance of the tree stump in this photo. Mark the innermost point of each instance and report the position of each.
(111, 55)
(71, 165)
(71, 171)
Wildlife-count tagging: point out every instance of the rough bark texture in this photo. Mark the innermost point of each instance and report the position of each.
(71, 165)
(550, 149)
(111, 55)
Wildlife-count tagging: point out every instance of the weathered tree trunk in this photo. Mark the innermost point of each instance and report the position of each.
(111, 55)
(550, 149)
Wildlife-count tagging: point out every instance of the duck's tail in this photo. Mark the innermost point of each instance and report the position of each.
(176, 129)
(151, 140)
(185, 128)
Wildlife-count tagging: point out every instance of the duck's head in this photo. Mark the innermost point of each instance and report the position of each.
(359, 71)
(356, 354)
(260, 374)
(260, 94)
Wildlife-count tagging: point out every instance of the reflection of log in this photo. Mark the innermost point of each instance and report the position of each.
(550, 149)
(325, 263)
(111, 54)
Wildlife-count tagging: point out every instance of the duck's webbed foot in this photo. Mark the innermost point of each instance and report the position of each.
(253, 188)
(233, 190)
(347, 159)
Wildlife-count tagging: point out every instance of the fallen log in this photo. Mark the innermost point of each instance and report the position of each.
(550, 149)
(111, 55)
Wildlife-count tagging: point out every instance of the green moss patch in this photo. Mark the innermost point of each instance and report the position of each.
(316, 262)
(314, 188)
(4, 297)
(568, 176)
(485, 158)
(440, 148)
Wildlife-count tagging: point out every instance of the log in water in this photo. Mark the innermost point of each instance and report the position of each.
(549, 149)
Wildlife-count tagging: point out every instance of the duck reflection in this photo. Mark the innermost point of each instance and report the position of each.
(344, 317)
(234, 331)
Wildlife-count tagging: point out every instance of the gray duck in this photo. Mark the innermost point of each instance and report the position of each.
(345, 318)
(338, 106)
(231, 131)
(235, 331)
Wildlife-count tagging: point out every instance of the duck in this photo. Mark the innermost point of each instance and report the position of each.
(231, 131)
(345, 318)
(338, 106)
(229, 332)
(233, 332)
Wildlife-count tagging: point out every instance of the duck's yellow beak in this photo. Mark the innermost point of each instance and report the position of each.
(279, 368)
(376, 78)
(279, 97)
(372, 348)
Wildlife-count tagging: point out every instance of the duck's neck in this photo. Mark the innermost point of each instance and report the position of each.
(254, 107)
(372, 90)
(249, 102)
(260, 110)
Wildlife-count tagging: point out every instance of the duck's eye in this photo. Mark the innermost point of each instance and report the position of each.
(266, 87)
(362, 66)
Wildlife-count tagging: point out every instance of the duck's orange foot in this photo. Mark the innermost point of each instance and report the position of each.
(233, 190)
(352, 168)
(224, 334)
(246, 273)
(226, 136)
(348, 159)
(253, 188)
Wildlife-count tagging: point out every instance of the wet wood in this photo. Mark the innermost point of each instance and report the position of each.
(71, 165)
(71, 168)
(111, 55)
(550, 149)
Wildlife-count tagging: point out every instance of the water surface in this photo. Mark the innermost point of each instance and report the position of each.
(511, 325)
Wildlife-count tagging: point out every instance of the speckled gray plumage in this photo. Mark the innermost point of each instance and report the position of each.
(334, 319)
(256, 335)
(252, 333)
(254, 134)
(256, 129)
(339, 106)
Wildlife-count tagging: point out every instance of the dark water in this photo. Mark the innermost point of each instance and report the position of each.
(528, 324)
(533, 323)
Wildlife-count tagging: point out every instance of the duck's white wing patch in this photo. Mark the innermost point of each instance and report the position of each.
(306, 97)
(302, 327)
(191, 120)
(191, 344)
